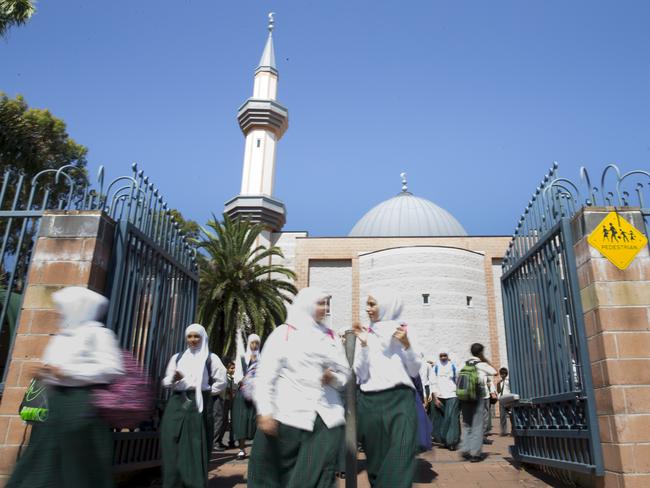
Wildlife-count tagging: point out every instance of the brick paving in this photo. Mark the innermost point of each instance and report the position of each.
(439, 468)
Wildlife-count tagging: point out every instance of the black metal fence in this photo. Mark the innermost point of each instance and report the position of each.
(153, 280)
(555, 423)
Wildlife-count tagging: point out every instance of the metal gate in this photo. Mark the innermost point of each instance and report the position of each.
(152, 287)
(554, 422)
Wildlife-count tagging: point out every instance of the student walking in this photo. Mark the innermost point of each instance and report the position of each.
(74, 447)
(223, 409)
(474, 394)
(445, 411)
(503, 388)
(243, 408)
(193, 376)
(301, 414)
(385, 362)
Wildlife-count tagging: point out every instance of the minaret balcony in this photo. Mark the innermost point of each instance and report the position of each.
(263, 114)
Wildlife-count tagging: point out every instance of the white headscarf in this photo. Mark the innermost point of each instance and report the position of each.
(302, 312)
(79, 306)
(249, 351)
(390, 310)
(192, 363)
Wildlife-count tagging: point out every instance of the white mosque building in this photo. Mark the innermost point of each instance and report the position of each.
(449, 281)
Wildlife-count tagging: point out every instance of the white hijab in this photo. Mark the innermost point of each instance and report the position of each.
(249, 352)
(302, 313)
(390, 310)
(80, 308)
(192, 363)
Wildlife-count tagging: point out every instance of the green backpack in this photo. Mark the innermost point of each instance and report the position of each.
(467, 384)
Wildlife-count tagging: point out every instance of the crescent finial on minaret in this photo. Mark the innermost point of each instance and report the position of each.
(271, 21)
(405, 187)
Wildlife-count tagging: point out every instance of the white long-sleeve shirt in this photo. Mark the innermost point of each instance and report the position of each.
(86, 355)
(380, 367)
(219, 380)
(443, 379)
(288, 385)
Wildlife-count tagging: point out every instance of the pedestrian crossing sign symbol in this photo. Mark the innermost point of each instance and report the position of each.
(617, 240)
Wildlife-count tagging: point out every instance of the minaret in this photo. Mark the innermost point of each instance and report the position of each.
(263, 121)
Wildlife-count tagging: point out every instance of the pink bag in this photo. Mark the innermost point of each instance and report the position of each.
(129, 400)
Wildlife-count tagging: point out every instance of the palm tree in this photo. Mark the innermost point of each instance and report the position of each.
(14, 12)
(238, 287)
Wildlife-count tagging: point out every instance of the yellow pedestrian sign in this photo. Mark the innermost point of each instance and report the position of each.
(617, 240)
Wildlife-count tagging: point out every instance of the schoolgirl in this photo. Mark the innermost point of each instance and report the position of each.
(193, 375)
(297, 393)
(385, 362)
(243, 409)
(74, 446)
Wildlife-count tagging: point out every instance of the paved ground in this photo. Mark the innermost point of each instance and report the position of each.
(438, 468)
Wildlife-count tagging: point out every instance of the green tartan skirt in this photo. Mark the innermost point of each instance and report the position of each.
(295, 458)
(186, 441)
(244, 418)
(72, 449)
(387, 428)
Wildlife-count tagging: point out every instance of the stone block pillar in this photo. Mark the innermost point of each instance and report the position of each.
(72, 248)
(616, 307)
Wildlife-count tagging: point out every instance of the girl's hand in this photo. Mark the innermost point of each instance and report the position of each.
(177, 376)
(361, 333)
(401, 336)
(267, 424)
(328, 376)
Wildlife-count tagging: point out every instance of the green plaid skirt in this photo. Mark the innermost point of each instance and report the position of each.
(295, 458)
(73, 448)
(186, 441)
(244, 418)
(387, 427)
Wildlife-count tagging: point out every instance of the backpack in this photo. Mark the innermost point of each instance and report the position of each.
(453, 372)
(129, 400)
(467, 384)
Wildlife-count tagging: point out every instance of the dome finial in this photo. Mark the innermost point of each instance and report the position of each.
(271, 22)
(405, 187)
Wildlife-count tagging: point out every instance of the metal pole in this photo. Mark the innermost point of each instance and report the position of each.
(350, 416)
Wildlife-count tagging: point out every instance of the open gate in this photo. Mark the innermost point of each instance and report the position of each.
(554, 423)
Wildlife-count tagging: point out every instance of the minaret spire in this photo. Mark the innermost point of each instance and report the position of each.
(263, 121)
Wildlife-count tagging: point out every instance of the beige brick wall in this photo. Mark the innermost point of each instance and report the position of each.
(616, 305)
(73, 248)
(337, 248)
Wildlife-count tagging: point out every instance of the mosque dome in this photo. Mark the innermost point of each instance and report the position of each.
(406, 215)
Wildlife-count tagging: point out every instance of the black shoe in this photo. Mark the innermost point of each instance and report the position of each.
(466, 456)
(488, 441)
(220, 447)
(231, 445)
(476, 459)
(452, 448)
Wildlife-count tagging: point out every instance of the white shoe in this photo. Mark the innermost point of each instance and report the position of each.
(241, 454)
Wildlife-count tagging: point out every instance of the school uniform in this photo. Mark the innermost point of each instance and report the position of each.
(503, 388)
(222, 412)
(474, 413)
(74, 447)
(310, 415)
(387, 417)
(187, 424)
(446, 419)
(243, 411)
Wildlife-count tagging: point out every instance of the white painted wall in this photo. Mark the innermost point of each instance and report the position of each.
(501, 330)
(335, 278)
(287, 242)
(449, 275)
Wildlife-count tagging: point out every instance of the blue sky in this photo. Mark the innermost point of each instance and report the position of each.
(473, 99)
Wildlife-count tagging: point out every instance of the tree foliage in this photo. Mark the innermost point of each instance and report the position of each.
(238, 285)
(14, 12)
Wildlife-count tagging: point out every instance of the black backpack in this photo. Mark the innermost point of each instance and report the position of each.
(208, 365)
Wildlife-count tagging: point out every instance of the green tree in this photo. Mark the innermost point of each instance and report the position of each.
(33, 140)
(14, 12)
(238, 287)
(190, 228)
